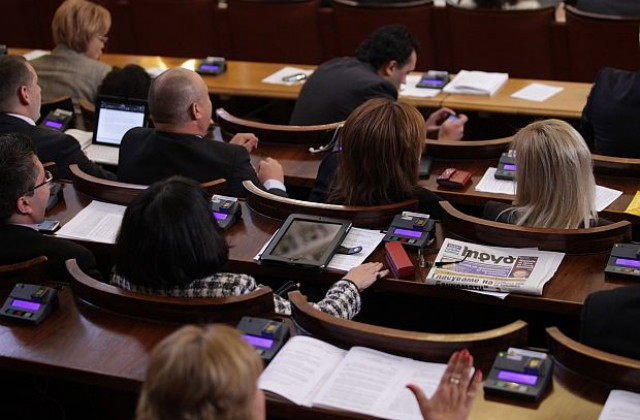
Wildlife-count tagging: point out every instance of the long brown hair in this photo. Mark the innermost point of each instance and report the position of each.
(382, 141)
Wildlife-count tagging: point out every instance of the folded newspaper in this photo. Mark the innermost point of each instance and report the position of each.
(479, 267)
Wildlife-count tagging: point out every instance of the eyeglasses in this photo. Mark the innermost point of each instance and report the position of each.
(48, 177)
(103, 39)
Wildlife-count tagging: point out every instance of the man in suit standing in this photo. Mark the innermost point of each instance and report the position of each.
(381, 65)
(24, 191)
(19, 109)
(181, 109)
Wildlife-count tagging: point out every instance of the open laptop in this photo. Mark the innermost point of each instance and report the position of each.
(114, 117)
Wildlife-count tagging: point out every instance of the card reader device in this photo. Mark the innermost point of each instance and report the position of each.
(506, 166)
(212, 66)
(624, 261)
(266, 336)
(58, 119)
(520, 374)
(226, 210)
(434, 79)
(411, 229)
(29, 303)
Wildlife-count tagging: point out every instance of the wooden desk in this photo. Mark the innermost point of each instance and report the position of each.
(84, 344)
(577, 277)
(244, 78)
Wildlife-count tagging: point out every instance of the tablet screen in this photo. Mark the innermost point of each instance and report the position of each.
(306, 240)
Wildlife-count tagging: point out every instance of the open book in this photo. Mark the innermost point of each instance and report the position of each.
(476, 83)
(310, 372)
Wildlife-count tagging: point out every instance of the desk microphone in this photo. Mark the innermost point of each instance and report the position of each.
(328, 146)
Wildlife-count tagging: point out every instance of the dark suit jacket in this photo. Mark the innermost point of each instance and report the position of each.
(54, 146)
(148, 155)
(610, 321)
(428, 202)
(610, 118)
(21, 243)
(336, 88)
(628, 8)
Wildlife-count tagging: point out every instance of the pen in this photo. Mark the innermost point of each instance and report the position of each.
(294, 78)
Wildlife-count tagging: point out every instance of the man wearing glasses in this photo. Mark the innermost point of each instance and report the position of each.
(20, 100)
(24, 191)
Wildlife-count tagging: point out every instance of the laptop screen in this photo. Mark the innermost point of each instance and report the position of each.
(116, 116)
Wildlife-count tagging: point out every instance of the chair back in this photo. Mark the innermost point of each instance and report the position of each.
(88, 111)
(279, 208)
(580, 363)
(120, 192)
(471, 149)
(168, 308)
(160, 27)
(595, 41)
(458, 225)
(281, 31)
(354, 21)
(418, 345)
(309, 135)
(501, 40)
(63, 102)
(609, 165)
(30, 271)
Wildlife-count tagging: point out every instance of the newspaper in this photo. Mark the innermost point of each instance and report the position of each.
(480, 267)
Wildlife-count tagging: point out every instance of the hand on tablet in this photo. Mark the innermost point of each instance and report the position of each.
(366, 274)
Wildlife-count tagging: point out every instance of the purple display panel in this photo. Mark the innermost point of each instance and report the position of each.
(263, 343)
(508, 167)
(407, 232)
(53, 124)
(209, 67)
(25, 304)
(628, 263)
(519, 378)
(219, 216)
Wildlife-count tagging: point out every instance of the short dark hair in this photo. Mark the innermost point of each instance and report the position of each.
(169, 236)
(18, 171)
(387, 43)
(131, 81)
(13, 74)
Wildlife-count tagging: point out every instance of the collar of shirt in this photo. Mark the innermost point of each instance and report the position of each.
(34, 227)
(23, 118)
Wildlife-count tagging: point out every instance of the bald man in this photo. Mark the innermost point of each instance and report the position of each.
(180, 108)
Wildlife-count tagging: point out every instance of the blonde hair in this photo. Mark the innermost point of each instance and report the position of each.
(382, 141)
(556, 188)
(77, 21)
(200, 372)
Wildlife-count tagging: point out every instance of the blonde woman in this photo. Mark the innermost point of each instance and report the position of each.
(80, 33)
(556, 188)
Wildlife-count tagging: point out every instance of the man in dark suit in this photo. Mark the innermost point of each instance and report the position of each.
(20, 108)
(610, 117)
(24, 191)
(627, 8)
(180, 108)
(381, 65)
(610, 321)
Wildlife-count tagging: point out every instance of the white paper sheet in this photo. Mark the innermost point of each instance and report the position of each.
(537, 92)
(33, 54)
(604, 196)
(621, 405)
(98, 222)
(276, 78)
(410, 89)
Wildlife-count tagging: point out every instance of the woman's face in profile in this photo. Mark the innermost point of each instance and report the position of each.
(95, 46)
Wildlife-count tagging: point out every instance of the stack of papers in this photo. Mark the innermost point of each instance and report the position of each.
(489, 184)
(476, 83)
(621, 405)
(98, 222)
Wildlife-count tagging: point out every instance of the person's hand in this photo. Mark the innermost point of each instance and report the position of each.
(436, 119)
(452, 128)
(366, 274)
(270, 169)
(247, 140)
(455, 394)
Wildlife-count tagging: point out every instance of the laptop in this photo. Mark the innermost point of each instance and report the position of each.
(114, 117)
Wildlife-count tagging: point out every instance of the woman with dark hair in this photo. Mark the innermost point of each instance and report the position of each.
(169, 244)
(381, 145)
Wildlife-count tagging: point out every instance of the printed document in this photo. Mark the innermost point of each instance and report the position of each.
(621, 405)
(310, 372)
(476, 83)
(537, 92)
(98, 222)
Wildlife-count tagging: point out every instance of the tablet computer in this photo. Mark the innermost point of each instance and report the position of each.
(307, 241)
